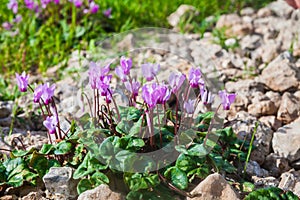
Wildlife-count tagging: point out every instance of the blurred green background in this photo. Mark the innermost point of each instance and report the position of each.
(44, 40)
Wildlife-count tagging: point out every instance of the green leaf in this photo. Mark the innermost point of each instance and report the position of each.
(84, 185)
(185, 162)
(177, 176)
(124, 127)
(133, 114)
(100, 178)
(135, 144)
(39, 163)
(80, 30)
(20, 153)
(136, 128)
(136, 181)
(197, 150)
(46, 149)
(63, 148)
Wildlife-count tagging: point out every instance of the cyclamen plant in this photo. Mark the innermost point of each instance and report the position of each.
(152, 93)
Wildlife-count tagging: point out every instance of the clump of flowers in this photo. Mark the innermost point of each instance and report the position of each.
(119, 137)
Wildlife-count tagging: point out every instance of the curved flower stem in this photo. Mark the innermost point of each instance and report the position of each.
(116, 106)
(90, 106)
(24, 148)
(58, 123)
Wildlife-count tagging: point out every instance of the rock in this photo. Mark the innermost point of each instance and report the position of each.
(101, 192)
(244, 86)
(59, 182)
(182, 10)
(280, 75)
(262, 108)
(5, 108)
(269, 50)
(127, 43)
(39, 195)
(275, 97)
(289, 109)
(265, 182)
(286, 141)
(251, 42)
(271, 121)
(297, 94)
(9, 197)
(290, 181)
(248, 11)
(253, 169)
(264, 12)
(213, 187)
(281, 9)
(276, 165)
(228, 20)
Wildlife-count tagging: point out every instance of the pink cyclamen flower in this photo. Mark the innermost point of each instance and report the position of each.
(176, 80)
(102, 84)
(126, 64)
(17, 19)
(133, 87)
(22, 81)
(37, 94)
(94, 7)
(7, 26)
(206, 96)
(164, 94)
(13, 5)
(29, 4)
(189, 106)
(56, 1)
(120, 73)
(227, 99)
(150, 94)
(107, 13)
(96, 72)
(44, 3)
(77, 3)
(195, 77)
(50, 123)
(48, 93)
(150, 70)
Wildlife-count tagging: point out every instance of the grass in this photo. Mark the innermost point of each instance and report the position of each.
(45, 41)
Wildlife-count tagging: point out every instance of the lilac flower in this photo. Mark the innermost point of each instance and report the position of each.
(195, 77)
(96, 72)
(44, 3)
(17, 19)
(107, 13)
(37, 94)
(29, 4)
(126, 64)
(102, 84)
(189, 106)
(227, 99)
(176, 80)
(133, 88)
(13, 5)
(77, 3)
(22, 81)
(150, 94)
(206, 96)
(7, 26)
(48, 92)
(120, 73)
(50, 123)
(164, 94)
(150, 70)
(56, 1)
(94, 7)
(108, 96)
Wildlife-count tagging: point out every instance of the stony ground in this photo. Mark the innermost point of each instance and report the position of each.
(258, 60)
